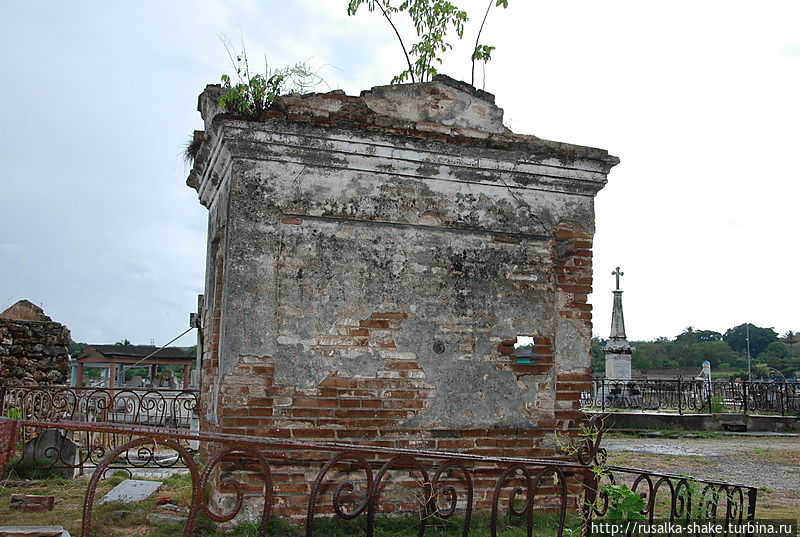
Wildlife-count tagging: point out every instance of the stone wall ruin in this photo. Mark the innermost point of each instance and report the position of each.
(33, 348)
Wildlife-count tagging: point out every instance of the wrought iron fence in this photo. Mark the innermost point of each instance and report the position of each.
(82, 449)
(695, 396)
(351, 481)
(676, 498)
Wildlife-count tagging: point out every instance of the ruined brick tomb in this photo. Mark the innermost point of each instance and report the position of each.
(372, 261)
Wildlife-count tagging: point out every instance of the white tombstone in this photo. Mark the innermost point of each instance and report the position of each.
(135, 382)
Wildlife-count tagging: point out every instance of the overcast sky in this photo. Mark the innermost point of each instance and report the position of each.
(700, 99)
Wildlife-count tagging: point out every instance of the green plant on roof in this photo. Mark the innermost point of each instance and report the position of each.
(251, 94)
(432, 19)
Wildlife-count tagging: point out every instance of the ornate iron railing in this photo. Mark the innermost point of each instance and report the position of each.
(353, 481)
(695, 396)
(674, 498)
(81, 449)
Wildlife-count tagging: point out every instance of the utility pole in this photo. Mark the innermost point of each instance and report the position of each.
(749, 370)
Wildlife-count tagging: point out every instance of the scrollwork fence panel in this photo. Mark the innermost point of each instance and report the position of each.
(353, 482)
(82, 449)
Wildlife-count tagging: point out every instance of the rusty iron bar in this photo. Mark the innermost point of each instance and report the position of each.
(534, 474)
(267, 442)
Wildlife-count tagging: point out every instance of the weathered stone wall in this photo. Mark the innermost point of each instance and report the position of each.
(372, 261)
(33, 353)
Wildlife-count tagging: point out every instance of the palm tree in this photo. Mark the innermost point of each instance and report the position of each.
(791, 338)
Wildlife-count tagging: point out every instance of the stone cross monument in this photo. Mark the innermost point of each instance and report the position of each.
(617, 350)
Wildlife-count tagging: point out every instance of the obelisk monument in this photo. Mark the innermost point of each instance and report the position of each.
(617, 349)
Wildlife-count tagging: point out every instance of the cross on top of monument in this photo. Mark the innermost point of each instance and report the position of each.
(617, 273)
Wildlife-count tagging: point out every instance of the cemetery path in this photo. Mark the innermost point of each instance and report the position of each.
(770, 463)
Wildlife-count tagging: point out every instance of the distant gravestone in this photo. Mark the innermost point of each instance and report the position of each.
(131, 490)
(706, 374)
(52, 450)
(135, 382)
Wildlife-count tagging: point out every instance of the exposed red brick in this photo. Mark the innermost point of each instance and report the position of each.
(358, 332)
(374, 323)
(579, 306)
(339, 382)
(570, 377)
(585, 289)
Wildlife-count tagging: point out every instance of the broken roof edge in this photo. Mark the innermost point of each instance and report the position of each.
(136, 351)
(443, 109)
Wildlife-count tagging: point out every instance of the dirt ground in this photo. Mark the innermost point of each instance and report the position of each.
(770, 463)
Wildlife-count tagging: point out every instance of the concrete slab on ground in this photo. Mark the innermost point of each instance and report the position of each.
(33, 531)
(131, 490)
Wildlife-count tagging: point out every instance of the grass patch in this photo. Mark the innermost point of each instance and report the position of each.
(118, 477)
(767, 509)
(544, 524)
(108, 522)
(784, 456)
(67, 512)
(659, 463)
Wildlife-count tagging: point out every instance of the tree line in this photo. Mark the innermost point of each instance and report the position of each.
(772, 356)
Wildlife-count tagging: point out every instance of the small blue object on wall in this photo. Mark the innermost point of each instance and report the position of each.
(523, 350)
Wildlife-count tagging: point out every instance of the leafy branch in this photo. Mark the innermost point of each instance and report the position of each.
(624, 503)
(432, 19)
(352, 8)
(484, 52)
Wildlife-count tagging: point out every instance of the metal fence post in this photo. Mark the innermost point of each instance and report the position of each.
(680, 396)
(709, 389)
(603, 390)
(752, 496)
(781, 394)
(744, 395)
